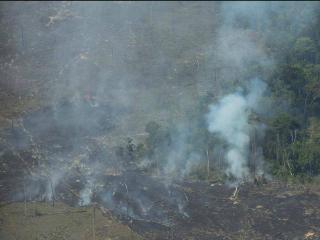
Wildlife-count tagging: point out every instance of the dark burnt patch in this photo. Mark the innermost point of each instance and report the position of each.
(156, 208)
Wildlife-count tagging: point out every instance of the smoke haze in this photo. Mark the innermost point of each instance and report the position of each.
(97, 73)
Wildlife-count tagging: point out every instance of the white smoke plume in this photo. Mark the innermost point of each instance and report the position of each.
(86, 193)
(229, 118)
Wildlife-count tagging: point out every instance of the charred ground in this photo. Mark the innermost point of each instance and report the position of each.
(154, 207)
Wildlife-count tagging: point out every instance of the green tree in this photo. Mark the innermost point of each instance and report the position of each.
(305, 50)
(157, 143)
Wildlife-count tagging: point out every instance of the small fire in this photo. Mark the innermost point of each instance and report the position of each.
(83, 56)
(309, 235)
(113, 171)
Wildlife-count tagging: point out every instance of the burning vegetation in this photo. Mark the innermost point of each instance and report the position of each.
(159, 120)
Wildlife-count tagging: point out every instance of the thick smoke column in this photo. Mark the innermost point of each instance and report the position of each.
(229, 118)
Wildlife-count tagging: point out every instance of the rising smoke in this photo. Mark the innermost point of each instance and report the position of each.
(105, 69)
(237, 50)
(229, 118)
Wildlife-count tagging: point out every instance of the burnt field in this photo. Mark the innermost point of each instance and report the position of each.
(159, 120)
(57, 163)
(195, 210)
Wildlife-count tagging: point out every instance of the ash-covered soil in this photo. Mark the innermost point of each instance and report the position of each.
(200, 210)
(153, 207)
(156, 209)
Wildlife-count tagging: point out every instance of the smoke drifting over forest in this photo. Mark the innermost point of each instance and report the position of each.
(230, 119)
(186, 82)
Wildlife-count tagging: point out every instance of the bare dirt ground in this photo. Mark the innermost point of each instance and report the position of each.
(42, 221)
